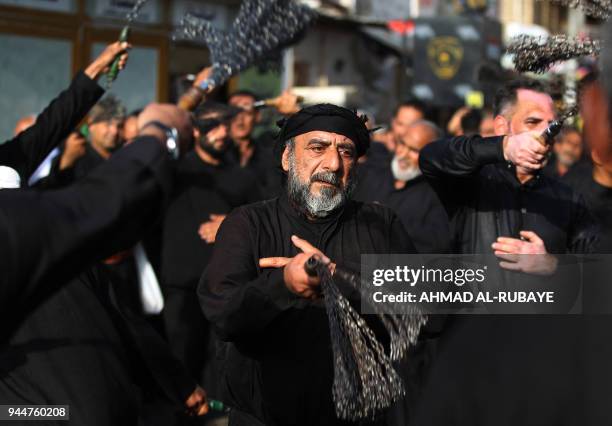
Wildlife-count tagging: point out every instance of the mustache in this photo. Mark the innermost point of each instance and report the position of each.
(326, 177)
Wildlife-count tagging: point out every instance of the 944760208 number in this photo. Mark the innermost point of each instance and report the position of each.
(20, 412)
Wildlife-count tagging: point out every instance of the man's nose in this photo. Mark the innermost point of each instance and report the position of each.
(400, 150)
(332, 160)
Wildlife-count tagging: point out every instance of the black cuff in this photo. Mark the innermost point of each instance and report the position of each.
(82, 80)
(489, 150)
(277, 292)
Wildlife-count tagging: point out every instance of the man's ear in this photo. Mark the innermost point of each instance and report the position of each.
(196, 133)
(596, 158)
(257, 116)
(501, 126)
(285, 159)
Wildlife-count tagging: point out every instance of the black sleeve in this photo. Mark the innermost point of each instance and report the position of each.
(29, 148)
(451, 165)
(583, 236)
(48, 236)
(234, 296)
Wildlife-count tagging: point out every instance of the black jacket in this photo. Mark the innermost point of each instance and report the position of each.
(29, 148)
(509, 369)
(278, 362)
(485, 200)
(83, 347)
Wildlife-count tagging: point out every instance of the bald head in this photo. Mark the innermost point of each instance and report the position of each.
(405, 164)
(24, 123)
(421, 132)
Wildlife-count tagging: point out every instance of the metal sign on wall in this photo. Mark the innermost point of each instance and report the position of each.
(447, 56)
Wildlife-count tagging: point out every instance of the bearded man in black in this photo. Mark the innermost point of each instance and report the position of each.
(278, 360)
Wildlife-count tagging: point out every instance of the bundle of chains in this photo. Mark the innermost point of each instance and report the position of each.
(600, 9)
(261, 29)
(364, 378)
(537, 54)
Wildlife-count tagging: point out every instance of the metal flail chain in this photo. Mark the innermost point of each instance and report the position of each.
(537, 54)
(600, 9)
(364, 378)
(403, 329)
(568, 112)
(133, 14)
(113, 71)
(261, 29)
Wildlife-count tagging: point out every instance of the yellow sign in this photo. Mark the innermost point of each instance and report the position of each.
(474, 99)
(445, 55)
(461, 6)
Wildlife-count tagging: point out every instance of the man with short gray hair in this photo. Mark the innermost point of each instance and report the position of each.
(401, 187)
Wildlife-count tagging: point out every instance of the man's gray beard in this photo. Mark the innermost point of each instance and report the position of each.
(404, 175)
(566, 160)
(328, 199)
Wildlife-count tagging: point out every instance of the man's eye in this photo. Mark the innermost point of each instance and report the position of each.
(317, 148)
(346, 152)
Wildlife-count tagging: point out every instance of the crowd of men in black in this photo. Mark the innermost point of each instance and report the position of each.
(228, 226)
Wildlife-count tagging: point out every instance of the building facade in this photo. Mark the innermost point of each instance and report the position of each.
(44, 42)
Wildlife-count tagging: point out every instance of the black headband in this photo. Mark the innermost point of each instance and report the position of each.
(326, 118)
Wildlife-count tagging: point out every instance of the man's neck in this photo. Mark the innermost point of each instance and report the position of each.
(399, 184)
(602, 176)
(524, 177)
(562, 169)
(245, 149)
(101, 151)
(206, 157)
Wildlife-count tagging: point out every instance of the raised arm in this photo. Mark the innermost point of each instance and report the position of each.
(460, 156)
(49, 236)
(29, 148)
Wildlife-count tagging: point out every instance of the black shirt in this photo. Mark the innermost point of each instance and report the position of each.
(416, 204)
(278, 360)
(599, 201)
(263, 165)
(83, 347)
(201, 189)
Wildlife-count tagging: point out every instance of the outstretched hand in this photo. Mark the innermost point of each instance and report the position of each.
(294, 273)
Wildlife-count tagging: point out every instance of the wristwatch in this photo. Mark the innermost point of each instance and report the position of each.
(172, 137)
